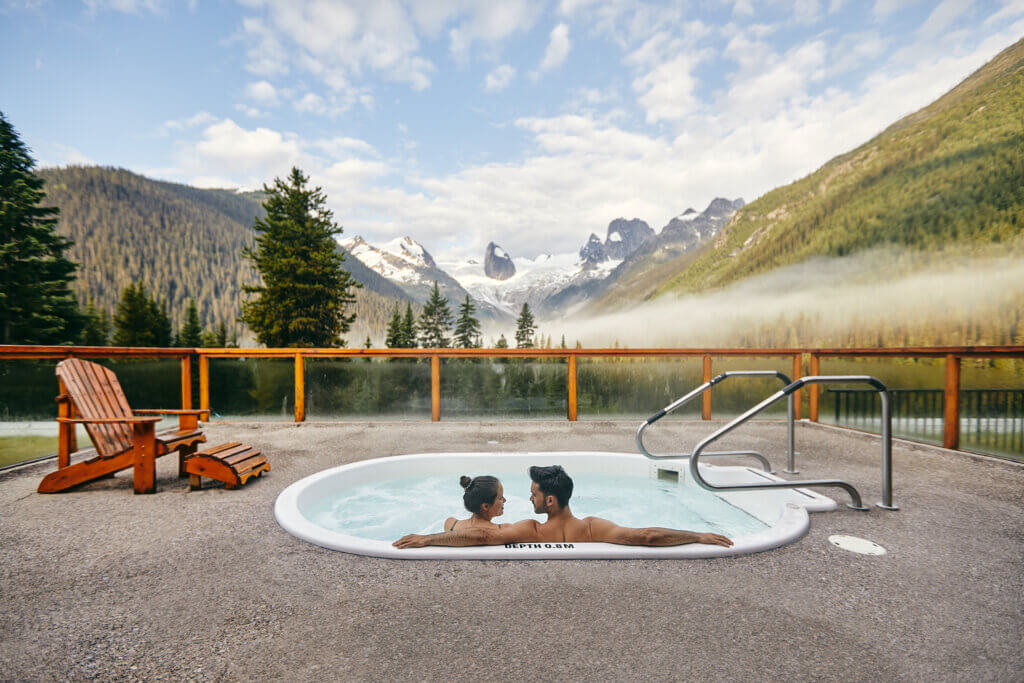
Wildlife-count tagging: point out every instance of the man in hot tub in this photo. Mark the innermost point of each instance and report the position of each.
(550, 493)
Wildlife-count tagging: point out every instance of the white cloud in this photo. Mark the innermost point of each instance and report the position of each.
(945, 14)
(558, 48)
(56, 154)
(261, 91)
(806, 11)
(251, 112)
(488, 23)
(197, 119)
(883, 8)
(1009, 10)
(743, 8)
(345, 42)
(126, 6)
(500, 78)
(311, 102)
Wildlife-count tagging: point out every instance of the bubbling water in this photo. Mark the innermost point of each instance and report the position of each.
(390, 509)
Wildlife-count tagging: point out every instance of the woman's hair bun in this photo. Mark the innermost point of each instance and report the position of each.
(465, 481)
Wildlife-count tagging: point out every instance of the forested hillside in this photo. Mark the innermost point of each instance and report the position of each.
(948, 176)
(181, 242)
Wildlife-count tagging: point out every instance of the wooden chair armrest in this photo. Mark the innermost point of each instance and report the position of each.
(108, 420)
(173, 411)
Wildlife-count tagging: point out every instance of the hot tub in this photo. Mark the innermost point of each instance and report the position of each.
(363, 506)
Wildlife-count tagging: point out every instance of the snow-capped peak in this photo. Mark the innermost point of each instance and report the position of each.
(397, 260)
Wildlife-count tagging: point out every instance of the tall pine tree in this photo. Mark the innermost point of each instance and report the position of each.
(435, 321)
(393, 337)
(191, 333)
(97, 326)
(36, 302)
(525, 327)
(139, 320)
(408, 339)
(305, 294)
(467, 328)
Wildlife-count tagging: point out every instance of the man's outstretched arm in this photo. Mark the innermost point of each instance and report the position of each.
(603, 531)
(520, 532)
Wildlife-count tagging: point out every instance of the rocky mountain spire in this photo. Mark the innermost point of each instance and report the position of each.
(497, 264)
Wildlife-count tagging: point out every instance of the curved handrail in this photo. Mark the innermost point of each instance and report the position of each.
(680, 402)
(856, 503)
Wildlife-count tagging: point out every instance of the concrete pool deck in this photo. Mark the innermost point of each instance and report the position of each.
(100, 583)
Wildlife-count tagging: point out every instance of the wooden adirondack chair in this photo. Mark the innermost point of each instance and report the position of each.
(91, 395)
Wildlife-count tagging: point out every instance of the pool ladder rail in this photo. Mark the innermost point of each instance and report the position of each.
(787, 393)
(688, 398)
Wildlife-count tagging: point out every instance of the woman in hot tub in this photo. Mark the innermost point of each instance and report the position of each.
(485, 498)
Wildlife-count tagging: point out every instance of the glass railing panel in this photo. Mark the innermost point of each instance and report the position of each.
(147, 383)
(27, 410)
(376, 389)
(635, 388)
(915, 386)
(518, 388)
(736, 395)
(252, 388)
(992, 406)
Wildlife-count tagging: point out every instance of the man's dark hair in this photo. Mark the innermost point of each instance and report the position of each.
(553, 481)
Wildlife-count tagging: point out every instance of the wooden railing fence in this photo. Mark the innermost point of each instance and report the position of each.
(952, 355)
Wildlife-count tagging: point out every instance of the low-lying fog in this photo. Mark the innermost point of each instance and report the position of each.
(821, 302)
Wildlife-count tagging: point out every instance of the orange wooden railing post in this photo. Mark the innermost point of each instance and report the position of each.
(186, 382)
(813, 397)
(204, 383)
(798, 394)
(951, 413)
(572, 387)
(435, 388)
(705, 400)
(300, 388)
(67, 439)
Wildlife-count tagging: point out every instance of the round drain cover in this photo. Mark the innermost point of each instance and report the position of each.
(856, 545)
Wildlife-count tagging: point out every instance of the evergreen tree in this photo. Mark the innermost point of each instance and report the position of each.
(525, 327)
(305, 292)
(36, 302)
(408, 338)
(367, 344)
(137, 321)
(220, 337)
(435, 321)
(393, 338)
(467, 328)
(502, 343)
(163, 332)
(96, 331)
(191, 334)
(562, 345)
(216, 339)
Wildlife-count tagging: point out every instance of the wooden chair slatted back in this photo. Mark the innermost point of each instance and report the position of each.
(96, 393)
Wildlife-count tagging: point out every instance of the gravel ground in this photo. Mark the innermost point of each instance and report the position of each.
(100, 583)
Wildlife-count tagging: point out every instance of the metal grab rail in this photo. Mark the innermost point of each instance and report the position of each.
(679, 403)
(856, 503)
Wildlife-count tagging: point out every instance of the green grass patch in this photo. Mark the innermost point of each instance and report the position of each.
(19, 448)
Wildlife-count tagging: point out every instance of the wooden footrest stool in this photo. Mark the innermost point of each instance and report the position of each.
(232, 463)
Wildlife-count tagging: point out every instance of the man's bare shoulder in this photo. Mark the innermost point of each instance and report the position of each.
(521, 531)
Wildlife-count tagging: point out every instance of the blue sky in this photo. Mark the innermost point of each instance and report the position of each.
(527, 123)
